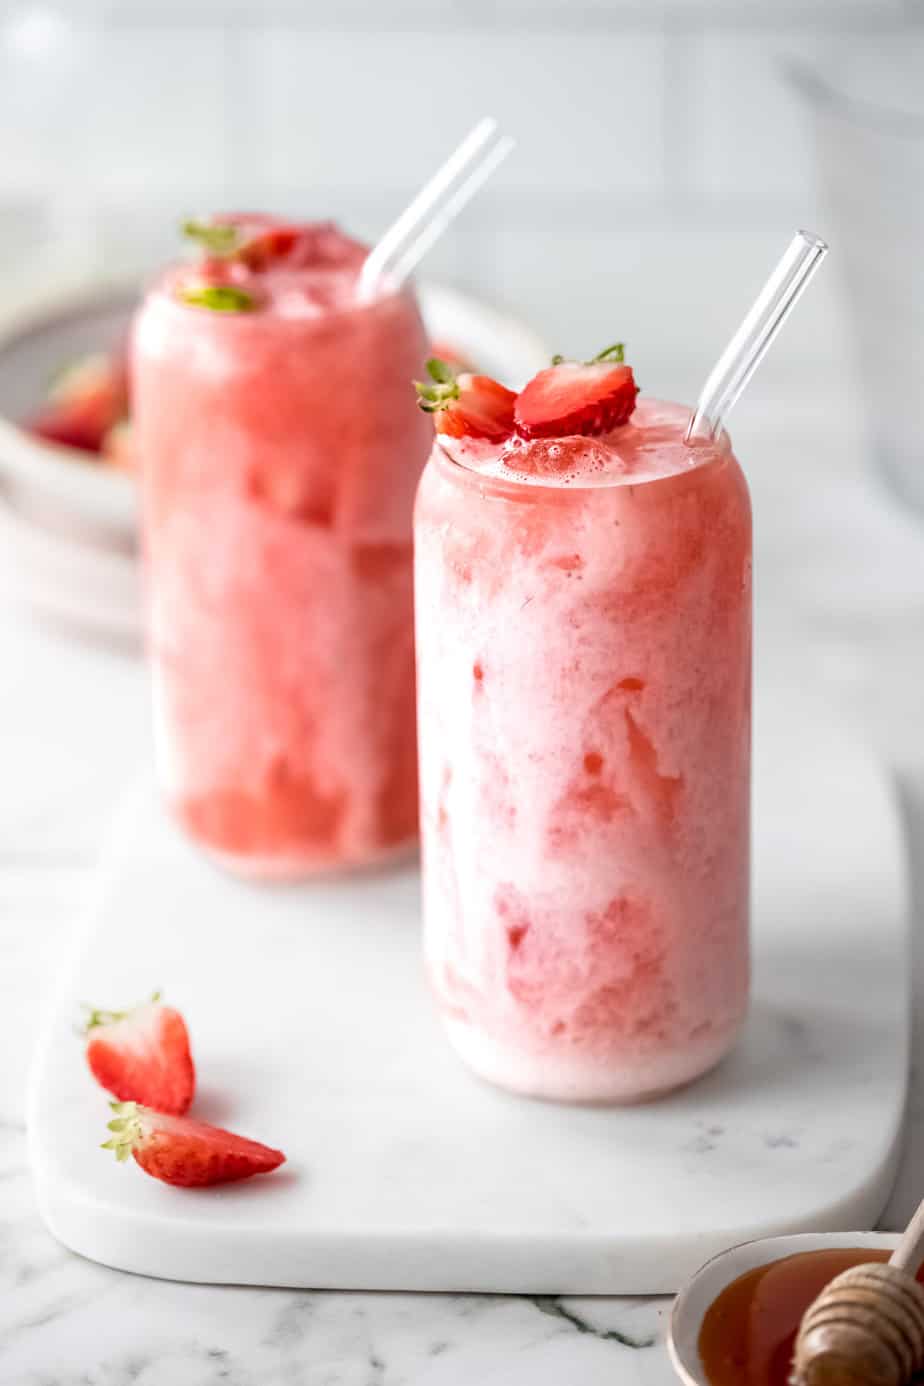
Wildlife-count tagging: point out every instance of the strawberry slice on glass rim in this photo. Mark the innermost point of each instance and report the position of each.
(577, 398)
(466, 405)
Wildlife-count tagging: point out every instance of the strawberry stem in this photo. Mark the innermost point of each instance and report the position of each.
(97, 1016)
(126, 1128)
(611, 355)
(440, 371)
(615, 353)
(217, 237)
(431, 397)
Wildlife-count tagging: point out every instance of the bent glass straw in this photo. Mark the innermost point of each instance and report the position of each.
(438, 203)
(748, 346)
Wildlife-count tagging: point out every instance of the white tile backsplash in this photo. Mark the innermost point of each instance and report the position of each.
(321, 13)
(752, 138)
(587, 111)
(674, 299)
(157, 120)
(662, 160)
(753, 142)
(91, 111)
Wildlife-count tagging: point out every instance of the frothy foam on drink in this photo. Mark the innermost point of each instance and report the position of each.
(312, 269)
(649, 446)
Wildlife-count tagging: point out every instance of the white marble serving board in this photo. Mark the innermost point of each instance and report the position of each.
(313, 1031)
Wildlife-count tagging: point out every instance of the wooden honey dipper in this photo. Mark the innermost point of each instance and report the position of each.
(866, 1328)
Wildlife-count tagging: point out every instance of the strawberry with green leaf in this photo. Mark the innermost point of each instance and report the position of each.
(466, 405)
(257, 243)
(188, 1154)
(143, 1055)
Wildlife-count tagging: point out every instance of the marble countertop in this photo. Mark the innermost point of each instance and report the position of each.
(840, 586)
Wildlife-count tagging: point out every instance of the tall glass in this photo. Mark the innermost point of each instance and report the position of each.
(584, 657)
(280, 449)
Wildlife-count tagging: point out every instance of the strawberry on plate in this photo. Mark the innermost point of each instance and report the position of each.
(466, 406)
(142, 1055)
(572, 397)
(83, 404)
(183, 1152)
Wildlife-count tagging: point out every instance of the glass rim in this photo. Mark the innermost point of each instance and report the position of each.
(159, 291)
(719, 451)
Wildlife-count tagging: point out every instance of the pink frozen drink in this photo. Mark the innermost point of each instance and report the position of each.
(583, 597)
(280, 453)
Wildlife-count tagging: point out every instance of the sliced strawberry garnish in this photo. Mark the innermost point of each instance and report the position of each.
(466, 406)
(85, 401)
(187, 1153)
(143, 1055)
(267, 247)
(256, 242)
(572, 397)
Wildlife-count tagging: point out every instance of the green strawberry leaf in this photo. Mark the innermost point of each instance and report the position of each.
(440, 371)
(440, 390)
(218, 238)
(611, 355)
(221, 298)
(615, 353)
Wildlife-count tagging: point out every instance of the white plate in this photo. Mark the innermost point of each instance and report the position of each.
(32, 350)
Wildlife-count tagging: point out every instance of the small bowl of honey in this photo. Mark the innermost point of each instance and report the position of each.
(735, 1321)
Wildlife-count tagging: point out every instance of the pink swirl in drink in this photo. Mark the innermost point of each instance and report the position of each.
(280, 453)
(583, 597)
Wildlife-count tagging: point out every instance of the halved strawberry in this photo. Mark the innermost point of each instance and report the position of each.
(187, 1153)
(265, 247)
(256, 242)
(466, 406)
(143, 1055)
(83, 404)
(572, 397)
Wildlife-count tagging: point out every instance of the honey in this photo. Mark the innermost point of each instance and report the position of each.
(749, 1331)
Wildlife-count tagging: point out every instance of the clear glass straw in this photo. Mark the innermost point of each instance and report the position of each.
(450, 209)
(439, 201)
(748, 346)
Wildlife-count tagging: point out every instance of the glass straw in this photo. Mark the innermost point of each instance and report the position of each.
(748, 346)
(450, 209)
(437, 204)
